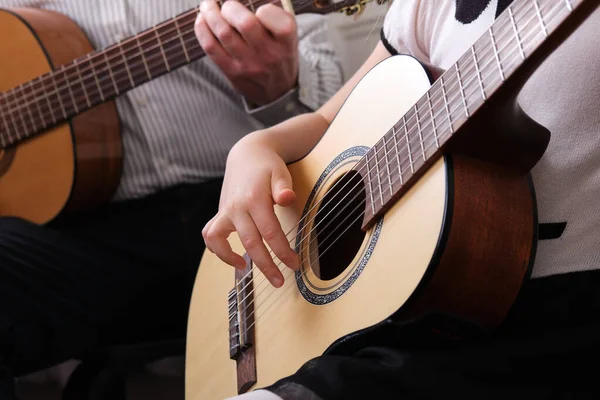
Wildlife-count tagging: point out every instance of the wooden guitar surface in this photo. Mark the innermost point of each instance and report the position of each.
(425, 254)
(75, 165)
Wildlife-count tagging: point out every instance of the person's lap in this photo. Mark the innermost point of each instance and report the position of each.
(546, 348)
(117, 275)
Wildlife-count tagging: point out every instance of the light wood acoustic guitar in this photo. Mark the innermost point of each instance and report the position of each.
(60, 143)
(417, 201)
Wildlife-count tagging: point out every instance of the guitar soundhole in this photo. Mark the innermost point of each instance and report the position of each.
(336, 235)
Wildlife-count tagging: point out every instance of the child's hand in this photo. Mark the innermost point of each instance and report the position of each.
(256, 178)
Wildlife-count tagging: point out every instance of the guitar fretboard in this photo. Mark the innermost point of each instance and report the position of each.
(419, 136)
(97, 77)
(102, 75)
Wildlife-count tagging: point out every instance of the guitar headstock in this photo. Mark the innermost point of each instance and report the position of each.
(348, 7)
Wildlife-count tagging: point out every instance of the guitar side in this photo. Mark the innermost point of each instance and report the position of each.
(424, 255)
(74, 166)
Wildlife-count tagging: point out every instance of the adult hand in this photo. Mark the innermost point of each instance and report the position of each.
(257, 52)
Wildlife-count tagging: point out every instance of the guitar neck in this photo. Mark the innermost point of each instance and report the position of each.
(500, 60)
(102, 75)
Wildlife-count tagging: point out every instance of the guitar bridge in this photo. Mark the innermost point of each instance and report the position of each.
(241, 327)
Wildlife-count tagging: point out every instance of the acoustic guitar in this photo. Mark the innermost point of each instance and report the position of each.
(60, 143)
(417, 205)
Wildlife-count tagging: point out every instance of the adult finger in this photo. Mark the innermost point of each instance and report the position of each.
(280, 23)
(246, 23)
(229, 38)
(210, 44)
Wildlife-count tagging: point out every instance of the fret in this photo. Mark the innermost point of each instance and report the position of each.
(437, 144)
(387, 164)
(62, 107)
(378, 173)
(252, 6)
(3, 114)
(18, 110)
(68, 84)
(496, 56)
(8, 132)
(539, 15)
(143, 58)
(370, 183)
(30, 102)
(47, 97)
(125, 62)
(21, 90)
(397, 154)
(162, 50)
(91, 63)
(12, 119)
(174, 47)
(514, 26)
(87, 99)
(110, 71)
(419, 125)
(187, 56)
(462, 90)
(410, 160)
(36, 100)
(478, 73)
(433, 125)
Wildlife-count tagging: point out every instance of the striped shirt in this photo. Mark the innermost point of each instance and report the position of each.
(179, 127)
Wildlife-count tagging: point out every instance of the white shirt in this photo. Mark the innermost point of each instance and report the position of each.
(178, 128)
(563, 95)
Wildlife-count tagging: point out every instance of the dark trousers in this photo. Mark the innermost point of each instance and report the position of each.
(548, 348)
(117, 275)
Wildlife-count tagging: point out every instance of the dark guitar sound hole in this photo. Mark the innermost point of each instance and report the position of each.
(336, 236)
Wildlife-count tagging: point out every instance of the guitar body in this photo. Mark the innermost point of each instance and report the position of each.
(460, 242)
(75, 165)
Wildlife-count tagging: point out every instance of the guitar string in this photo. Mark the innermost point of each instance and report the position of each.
(93, 63)
(137, 70)
(322, 241)
(317, 238)
(107, 79)
(53, 107)
(382, 173)
(445, 132)
(401, 139)
(85, 58)
(33, 96)
(276, 300)
(70, 86)
(135, 39)
(384, 158)
(330, 234)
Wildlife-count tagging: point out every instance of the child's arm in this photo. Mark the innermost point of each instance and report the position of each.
(256, 177)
